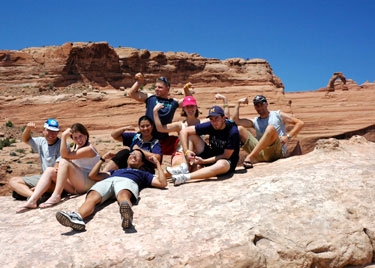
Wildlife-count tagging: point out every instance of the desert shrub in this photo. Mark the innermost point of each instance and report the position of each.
(9, 124)
(21, 151)
(6, 142)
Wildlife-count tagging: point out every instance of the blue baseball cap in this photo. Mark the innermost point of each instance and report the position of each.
(52, 124)
(215, 111)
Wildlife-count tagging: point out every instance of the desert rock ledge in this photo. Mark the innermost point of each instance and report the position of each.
(314, 210)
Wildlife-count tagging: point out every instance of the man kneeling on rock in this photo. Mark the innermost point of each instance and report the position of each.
(122, 184)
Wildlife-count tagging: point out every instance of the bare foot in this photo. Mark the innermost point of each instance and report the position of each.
(26, 207)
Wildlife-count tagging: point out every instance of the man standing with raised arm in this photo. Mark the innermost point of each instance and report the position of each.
(166, 114)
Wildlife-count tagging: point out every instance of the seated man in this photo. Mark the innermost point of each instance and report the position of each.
(122, 184)
(219, 156)
(271, 136)
(48, 148)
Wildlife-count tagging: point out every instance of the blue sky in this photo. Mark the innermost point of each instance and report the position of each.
(304, 41)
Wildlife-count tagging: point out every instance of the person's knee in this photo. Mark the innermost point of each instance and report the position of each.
(222, 166)
(124, 194)
(16, 181)
(271, 128)
(63, 163)
(93, 197)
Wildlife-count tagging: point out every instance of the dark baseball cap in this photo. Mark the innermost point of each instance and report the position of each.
(215, 111)
(259, 99)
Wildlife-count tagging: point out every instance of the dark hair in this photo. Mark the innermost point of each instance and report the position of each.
(145, 118)
(164, 80)
(197, 113)
(147, 165)
(144, 160)
(78, 127)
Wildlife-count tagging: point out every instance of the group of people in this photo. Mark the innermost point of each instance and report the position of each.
(202, 148)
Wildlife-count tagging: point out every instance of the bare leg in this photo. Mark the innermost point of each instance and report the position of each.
(43, 186)
(69, 177)
(87, 208)
(268, 138)
(19, 186)
(220, 167)
(126, 211)
(124, 195)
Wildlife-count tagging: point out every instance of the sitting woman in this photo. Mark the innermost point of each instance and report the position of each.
(191, 112)
(142, 140)
(74, 167)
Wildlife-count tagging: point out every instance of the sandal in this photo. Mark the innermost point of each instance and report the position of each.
(247, 164)
(48, 204)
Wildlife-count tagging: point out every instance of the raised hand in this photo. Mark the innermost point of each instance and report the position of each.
(140, 78)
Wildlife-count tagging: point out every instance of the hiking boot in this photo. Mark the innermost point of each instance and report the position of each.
(126, 215)
(180, 169)
(71, 219)
(179, 179)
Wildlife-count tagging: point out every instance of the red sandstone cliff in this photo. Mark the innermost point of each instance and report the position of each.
(98, 64)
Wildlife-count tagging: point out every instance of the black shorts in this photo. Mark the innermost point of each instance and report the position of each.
(209, 152)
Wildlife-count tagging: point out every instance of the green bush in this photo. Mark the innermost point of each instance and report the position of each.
(9, 124)
(6, 142)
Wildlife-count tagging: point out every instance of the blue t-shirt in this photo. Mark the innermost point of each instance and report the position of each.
(142, 178)
(227, 138)
(131, 138)
(166, 114)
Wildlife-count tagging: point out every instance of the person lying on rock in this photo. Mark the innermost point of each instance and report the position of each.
(48, 148)
(218, 157)
(122, 184)
(143, 140)
(271, 138)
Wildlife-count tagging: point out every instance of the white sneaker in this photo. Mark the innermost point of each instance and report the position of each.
(71, 219)
(181, 169)
(180, 179)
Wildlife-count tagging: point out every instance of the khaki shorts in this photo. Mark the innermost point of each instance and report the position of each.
(31, 181)
(110, 187)
(268, 154)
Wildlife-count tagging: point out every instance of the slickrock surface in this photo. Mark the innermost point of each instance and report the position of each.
(314, 210)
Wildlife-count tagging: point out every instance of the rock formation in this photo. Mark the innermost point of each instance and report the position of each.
(98, 64)
(336, 76)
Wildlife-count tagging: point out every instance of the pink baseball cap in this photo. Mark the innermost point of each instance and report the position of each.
(189, 100)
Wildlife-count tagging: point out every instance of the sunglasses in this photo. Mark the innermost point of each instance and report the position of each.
(259, 99)
(165, 81)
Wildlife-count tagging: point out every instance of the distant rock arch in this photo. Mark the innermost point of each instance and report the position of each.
(335, 76)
